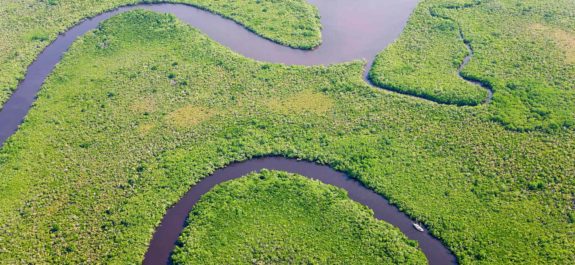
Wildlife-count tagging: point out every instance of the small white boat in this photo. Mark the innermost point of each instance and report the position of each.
(418, 227)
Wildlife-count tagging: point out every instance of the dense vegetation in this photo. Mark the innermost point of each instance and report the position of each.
(524, 50)
(278, 218)
(27, 26)
(120, 131)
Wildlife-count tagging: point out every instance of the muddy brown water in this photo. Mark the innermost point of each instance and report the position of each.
(351, 30)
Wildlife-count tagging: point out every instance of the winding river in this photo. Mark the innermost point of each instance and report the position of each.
(166, 235)
(351, 30)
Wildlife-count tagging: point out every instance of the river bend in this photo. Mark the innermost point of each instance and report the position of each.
(351, 30)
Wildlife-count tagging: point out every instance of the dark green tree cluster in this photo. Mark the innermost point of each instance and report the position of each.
(274, 217)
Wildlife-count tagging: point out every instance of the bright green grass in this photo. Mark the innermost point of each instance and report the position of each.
(524, 49)
(278, 218)
(27, 26)
(107, 148)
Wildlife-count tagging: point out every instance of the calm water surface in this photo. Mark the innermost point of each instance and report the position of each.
(351, 30)
(173, 223)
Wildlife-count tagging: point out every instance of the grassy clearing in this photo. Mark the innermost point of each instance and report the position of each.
(278, 218)
(86, 178)
(27, 26)
(302, 102)
(188, 116)
(530, 70)
(564, 40)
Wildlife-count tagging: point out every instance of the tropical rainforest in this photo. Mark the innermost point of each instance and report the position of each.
(273, 217)
(142, 108)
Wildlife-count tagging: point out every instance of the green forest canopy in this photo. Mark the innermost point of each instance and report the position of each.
(108, 147)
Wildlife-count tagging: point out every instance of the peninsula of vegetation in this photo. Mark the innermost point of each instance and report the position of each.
(145, 106)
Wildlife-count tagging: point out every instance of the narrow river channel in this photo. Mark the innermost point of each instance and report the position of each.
(173, 222)
(351, 30)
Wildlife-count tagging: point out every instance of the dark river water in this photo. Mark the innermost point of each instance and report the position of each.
(351, 30)
(166, 235)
